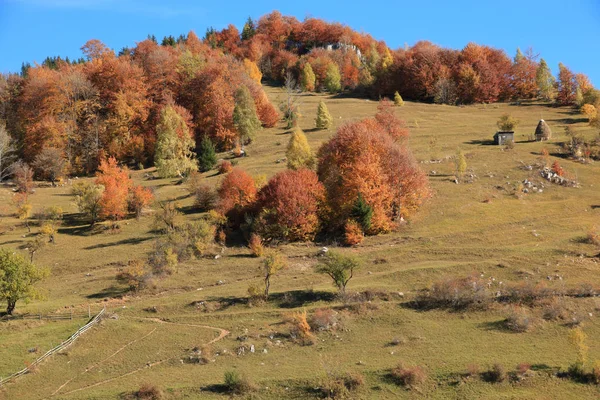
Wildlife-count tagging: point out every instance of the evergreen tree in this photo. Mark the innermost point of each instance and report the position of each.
(362, 213)
(207, 157)
(249, 29)
(307, 80)
(519, 56)
(324, 120)
(333, 78)
(398, 101)
(245, 119)
(298, 153)
(174, 144)
(545, 81)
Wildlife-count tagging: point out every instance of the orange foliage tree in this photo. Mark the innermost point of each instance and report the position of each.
(289, 206)
(116, 183)
(236, 195)
(139, 198)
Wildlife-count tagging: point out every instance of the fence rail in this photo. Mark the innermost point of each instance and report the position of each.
(46, 317)
(56, 349)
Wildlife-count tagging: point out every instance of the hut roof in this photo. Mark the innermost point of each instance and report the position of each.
(543, 130)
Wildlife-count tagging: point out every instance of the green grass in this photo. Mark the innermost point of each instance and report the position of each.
(455, 234)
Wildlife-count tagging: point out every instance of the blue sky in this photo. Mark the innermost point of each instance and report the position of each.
(560, 30)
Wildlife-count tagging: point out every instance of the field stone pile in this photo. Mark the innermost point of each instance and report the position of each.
(553, 177)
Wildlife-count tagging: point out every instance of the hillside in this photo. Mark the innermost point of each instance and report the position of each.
(484, 227)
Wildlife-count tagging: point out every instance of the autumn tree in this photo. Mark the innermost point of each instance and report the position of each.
(139, 198)
(398, 100)
(252, 70)
(363, 158)
(524, 75)
(88, 197)
(339, 268)
(49, 164)
(567, 86)
(7, 152)
(116, 183)
(174, 155)
(245, 120)
(207, 157)
(324, 120)
(298, 153)
(545, 81)
(387, 119)
(236, 194)
(18, 278)
(289, 206)
(333, 78)
(23, 177)
(272, 263)
(507, 123)
(307, 79)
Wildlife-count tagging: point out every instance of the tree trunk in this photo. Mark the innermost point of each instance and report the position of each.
(267, 285)
(11, 306)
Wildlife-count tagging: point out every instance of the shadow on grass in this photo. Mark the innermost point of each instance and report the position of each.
(11, 242)
(482, 142)
(499, 326)
(217, 388)
(109, 292)
(292, 299)
(130, 241)
(569, 121)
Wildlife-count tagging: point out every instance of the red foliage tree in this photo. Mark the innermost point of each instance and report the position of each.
(567, 86)
(387, 119)
(236, 195)
(139, 198)
(289, 206)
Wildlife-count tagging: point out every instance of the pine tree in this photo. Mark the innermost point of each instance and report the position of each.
(333, 79)
(545, 81)
(174, 144)
(245, 119)
(324, 120)
(398, 101)
(249, 29)
(207, 157)
(307, 80)
(362, 213)
(298, 153)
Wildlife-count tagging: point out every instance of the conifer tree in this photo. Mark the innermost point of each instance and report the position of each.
(299, 154)
(333, 79)
(245, 119)
(307, 80)
(249, 29)
(324, 120)
(398, 101)
(545, 81)
(174, 144)
(207, 157)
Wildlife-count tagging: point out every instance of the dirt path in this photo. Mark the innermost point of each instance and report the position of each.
(222, 334)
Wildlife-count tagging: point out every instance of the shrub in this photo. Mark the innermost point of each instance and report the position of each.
(238, 384)
(300, 328)
(205, 197)
(148, 391)
(353, 233)
(256, 246)
(523, 368)
(410, 377)
(256, 295)
(398, 100)
(507, 123)
(557, 169)
(594, 236)
(456, 293)
(225, 167)
(518, 320)
(341, 386)
(340, 269)
(528, 293)
(473, 370)
(323, 319)
(496, 374)
(135, 275)
(596, 373)
(555, 309)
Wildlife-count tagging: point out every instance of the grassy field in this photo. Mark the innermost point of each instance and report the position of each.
(480, 227)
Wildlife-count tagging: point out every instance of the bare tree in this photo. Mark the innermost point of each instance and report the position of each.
(7, 152)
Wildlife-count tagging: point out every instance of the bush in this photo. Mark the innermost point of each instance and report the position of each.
(225, 167)
(518, 320)
(256, 295)
(148, 392)
(507, 123)
(256, 246)
(353, 233)
(555, 309)
(300, 328)
(528, 293)
(135, 275)
(594, 236)
(238, 384)
(473, 370)
(323, 319)
(496, 374)
(410, 377)
(205, 197)
(596, 373)
(456, 293)
(341, 386)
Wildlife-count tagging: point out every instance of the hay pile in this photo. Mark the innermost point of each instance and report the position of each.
(543, 131)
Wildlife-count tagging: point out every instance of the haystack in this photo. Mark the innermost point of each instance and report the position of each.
(543, 131)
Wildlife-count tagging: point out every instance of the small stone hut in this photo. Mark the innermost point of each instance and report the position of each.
(501, 137)
(543, 131)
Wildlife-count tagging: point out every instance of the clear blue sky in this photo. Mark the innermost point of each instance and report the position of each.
(560, 30)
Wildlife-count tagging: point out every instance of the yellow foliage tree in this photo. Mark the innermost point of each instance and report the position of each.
(307, 79)
(299, 153)
(324, 120)
(252, 70)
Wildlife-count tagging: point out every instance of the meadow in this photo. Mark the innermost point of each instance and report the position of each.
(485, 226)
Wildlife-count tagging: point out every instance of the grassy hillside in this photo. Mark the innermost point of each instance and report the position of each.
(479, 227)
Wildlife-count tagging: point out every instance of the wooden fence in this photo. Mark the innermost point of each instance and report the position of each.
(58, 348)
